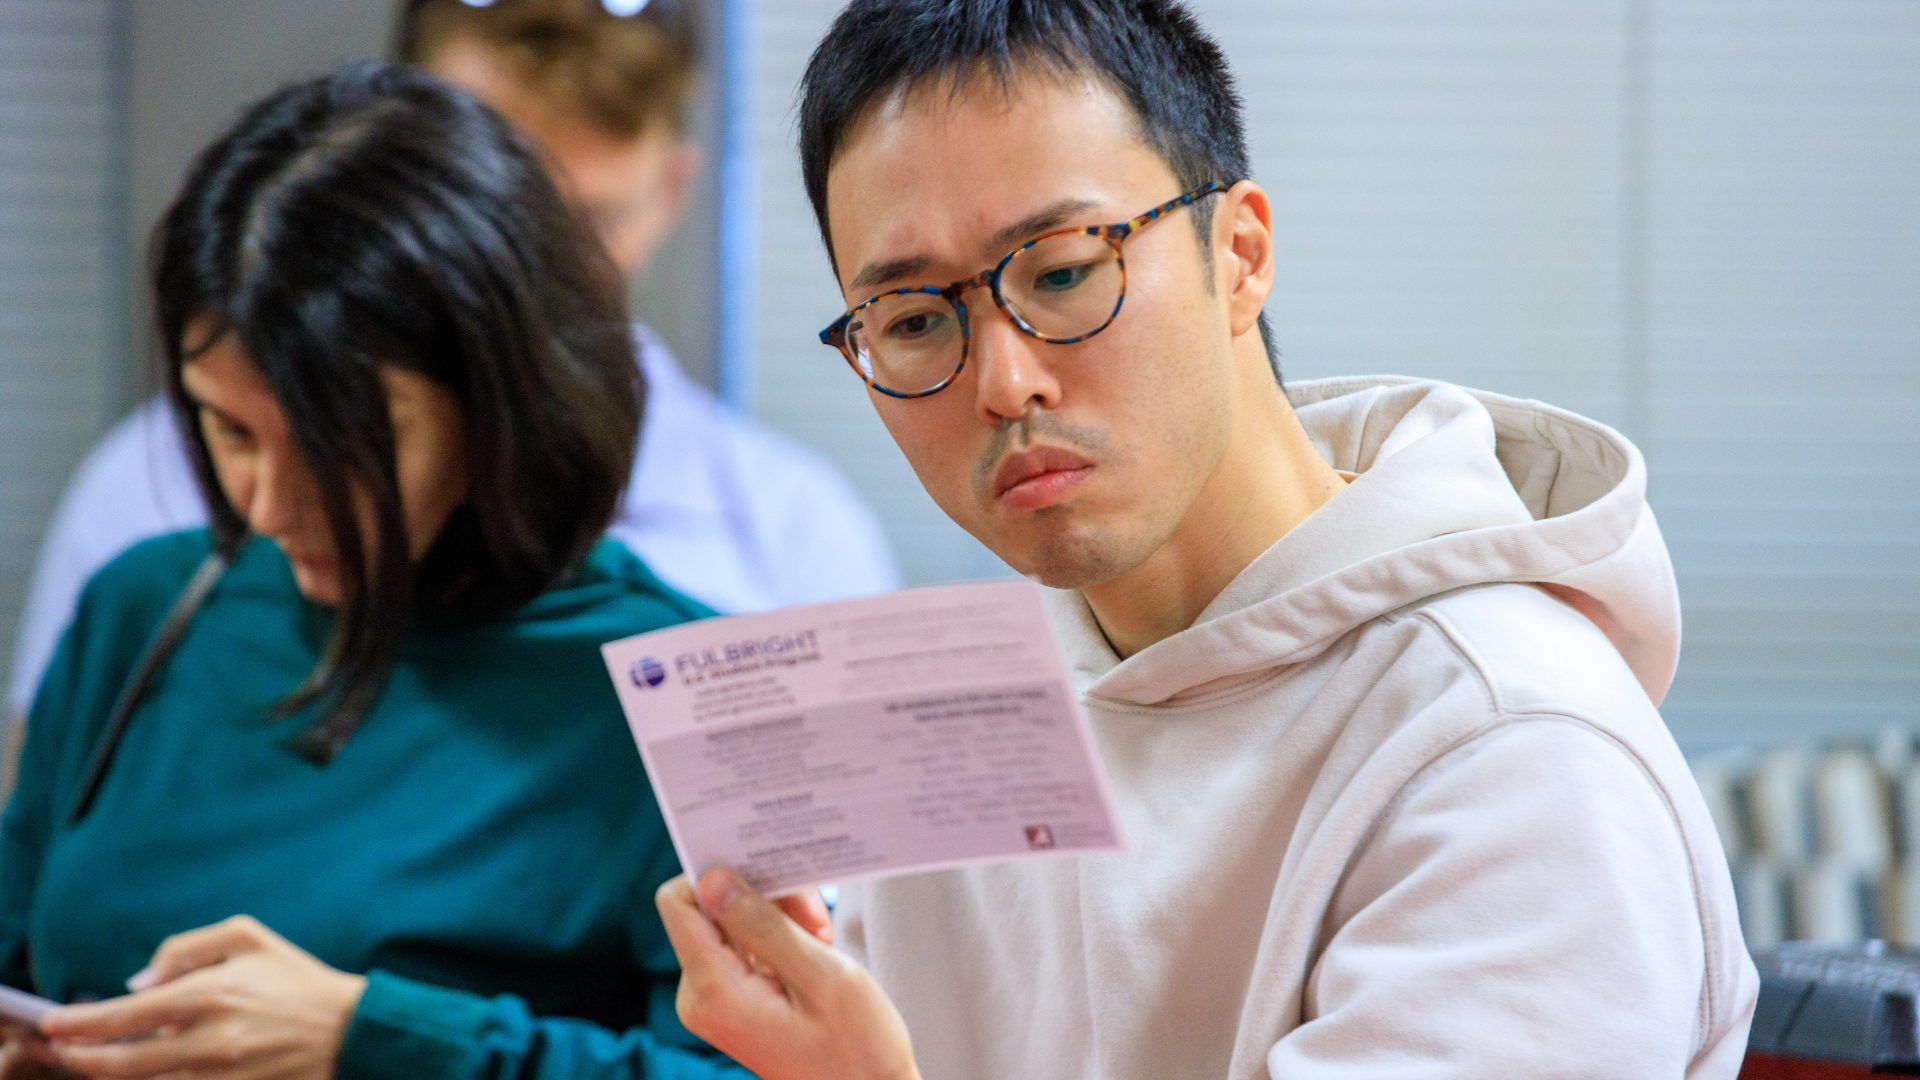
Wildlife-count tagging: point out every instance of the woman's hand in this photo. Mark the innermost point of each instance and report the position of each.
(24, 1055)
(771, 994)
(233, 1001)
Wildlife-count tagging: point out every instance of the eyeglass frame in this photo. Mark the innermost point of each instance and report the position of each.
(1116, 234)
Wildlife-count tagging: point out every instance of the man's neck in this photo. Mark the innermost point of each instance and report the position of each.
(1269, 480)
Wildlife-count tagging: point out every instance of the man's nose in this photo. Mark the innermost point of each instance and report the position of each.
(1013, 375)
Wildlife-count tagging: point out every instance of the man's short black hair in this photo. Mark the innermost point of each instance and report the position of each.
(1153, 53)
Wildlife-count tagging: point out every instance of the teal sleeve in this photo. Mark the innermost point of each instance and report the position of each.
(407, 1030)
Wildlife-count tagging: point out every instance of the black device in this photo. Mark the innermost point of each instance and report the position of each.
(1835, 1011)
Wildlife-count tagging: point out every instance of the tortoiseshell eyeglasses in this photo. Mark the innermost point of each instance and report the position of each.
(1061, 287)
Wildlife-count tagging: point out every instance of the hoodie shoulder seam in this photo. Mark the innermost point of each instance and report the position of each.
(1502, 717)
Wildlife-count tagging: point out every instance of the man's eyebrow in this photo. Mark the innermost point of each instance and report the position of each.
(1047, 217)
(892, 269)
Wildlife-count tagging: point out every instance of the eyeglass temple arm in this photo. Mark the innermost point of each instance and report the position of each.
(1135, 224)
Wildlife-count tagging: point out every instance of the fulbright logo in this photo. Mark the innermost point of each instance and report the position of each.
(647, 673)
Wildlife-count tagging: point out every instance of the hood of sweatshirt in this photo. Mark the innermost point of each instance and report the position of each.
(1452, 488)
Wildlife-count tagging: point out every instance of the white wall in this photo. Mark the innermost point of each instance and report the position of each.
(1694, 219)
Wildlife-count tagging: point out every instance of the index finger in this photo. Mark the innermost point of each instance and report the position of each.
(136, 1014)
(753, 924)
(810, 911)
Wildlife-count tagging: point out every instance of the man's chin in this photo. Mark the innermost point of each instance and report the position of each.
(1068, 559)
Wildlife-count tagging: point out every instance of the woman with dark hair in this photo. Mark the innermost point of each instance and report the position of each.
(313, 782)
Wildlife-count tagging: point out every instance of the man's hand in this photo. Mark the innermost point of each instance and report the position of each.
(807, 909)
(770, 994)
(230, 1001)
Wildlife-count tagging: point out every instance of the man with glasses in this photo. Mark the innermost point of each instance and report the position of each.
(1372, 664)
(732, 514)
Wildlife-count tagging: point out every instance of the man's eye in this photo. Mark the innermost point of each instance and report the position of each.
(1063, 278)
(917, 325)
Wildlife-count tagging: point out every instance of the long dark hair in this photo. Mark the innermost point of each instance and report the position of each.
(378, 216)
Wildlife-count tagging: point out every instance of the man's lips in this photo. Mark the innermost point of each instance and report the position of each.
(1039, 477)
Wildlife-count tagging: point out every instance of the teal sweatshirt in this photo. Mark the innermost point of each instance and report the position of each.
(485, 847)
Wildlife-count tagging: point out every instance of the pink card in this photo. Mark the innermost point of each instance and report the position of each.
(914, 731)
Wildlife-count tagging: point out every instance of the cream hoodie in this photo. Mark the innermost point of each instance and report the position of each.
(1398, 804)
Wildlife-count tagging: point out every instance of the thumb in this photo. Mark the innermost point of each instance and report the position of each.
(755, 925)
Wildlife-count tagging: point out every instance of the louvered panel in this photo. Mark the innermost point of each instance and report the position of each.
(1785, 357)
(61, 345)
(1447, 185)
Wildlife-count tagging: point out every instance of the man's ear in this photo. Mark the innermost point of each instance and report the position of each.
(1243, 253)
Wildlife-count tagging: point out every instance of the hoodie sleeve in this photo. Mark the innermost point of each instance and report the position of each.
(1525, 907)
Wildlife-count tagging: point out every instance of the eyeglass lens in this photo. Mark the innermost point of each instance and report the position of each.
(1063, 287)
